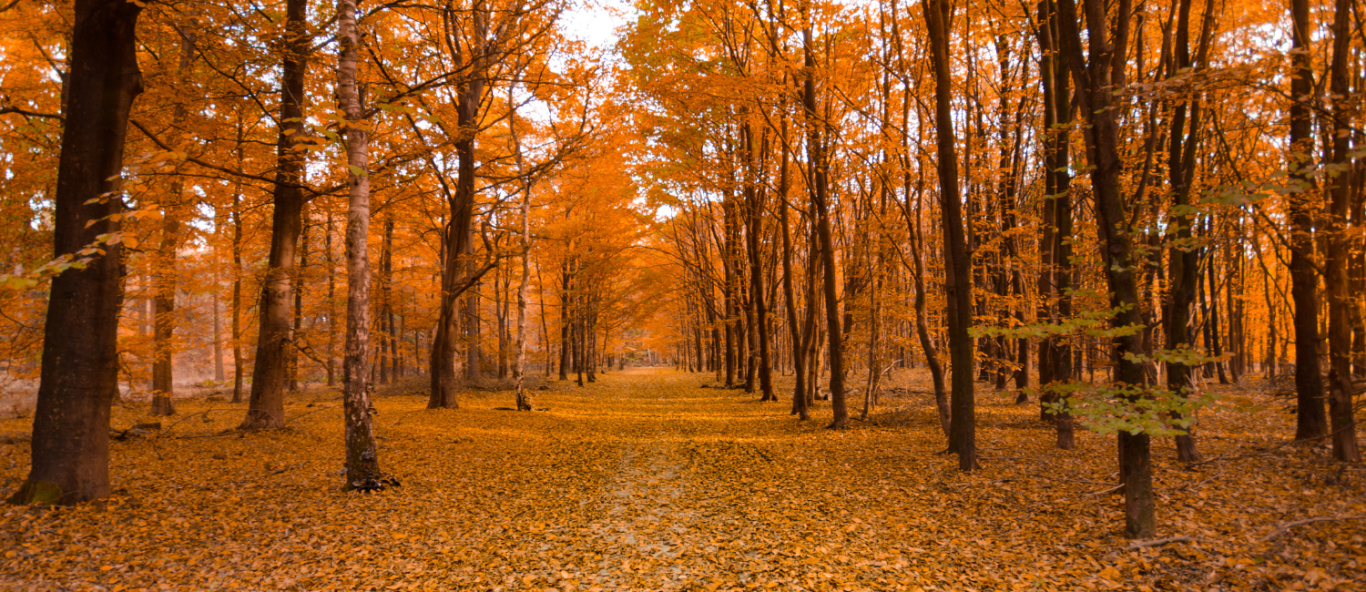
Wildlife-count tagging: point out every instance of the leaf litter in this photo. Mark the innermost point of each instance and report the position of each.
(644, 481)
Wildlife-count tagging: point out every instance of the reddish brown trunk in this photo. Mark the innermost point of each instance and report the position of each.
(79, 376)
(268, 381)
(962, 420)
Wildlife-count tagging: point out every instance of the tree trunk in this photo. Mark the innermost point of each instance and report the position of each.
(166, 275)
(238, 360)
(331, 304)
(524, 401)
(754, 228)
(459, 232)
(362, 457)
(79, 376)
(1341, 300)
(798, 342)
(1311, 423)
(958, 284)
(819, 166)
(388, 336)
(1094, 79)
(295, 371)
(1184, 257)
(267, 406)
(1055, 353)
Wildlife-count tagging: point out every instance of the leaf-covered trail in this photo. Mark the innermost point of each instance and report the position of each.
(644, 481)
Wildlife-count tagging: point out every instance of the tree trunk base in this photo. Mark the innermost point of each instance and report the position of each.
(162, 405)
(260, 420)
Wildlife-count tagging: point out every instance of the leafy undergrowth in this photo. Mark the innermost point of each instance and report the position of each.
(644, 481)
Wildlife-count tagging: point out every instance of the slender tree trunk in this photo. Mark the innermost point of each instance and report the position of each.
(388, 336)
(818, 166)
(79, 376)
(1341, 300)
(755, 198)
(267, 405)
(459, 232)
(797, 342)
(1055, 353)
(1311, 423)
(238, 360)
(1184, 257)
(219, 372)
(1094, 79)
(958, 285)
(166, 274)
(1216, 345)
(295, 368)
(362, 455)
(331, 305)
(524, 400)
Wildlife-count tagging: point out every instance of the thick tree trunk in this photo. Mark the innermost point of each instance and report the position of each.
(362, 456)
(79, 376)
(267, 406)
(958, 285)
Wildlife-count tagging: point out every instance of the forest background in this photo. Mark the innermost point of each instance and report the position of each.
(1099, 209)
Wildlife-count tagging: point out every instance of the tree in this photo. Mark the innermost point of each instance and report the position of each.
(163, 348)
(1095, 77)
(1311, 423)
(362, 455)
(1340, 298)
(270, 374)
(70, 451)
(958, 282)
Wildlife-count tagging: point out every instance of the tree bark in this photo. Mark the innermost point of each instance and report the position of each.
(238, 360)
(166, 275)
(818, 166)
(79, 375)
(1094, 80)
(1341, 300)
(754, 228)
(459, 230)
(958, 284)
(524, 400)
(1311, 423)
(266, 408)
(1184, 256)
(362, 456)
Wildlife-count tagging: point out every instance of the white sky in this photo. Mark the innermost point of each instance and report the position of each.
(595, 21)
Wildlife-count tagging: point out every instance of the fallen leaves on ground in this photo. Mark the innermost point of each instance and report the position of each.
(644, 481)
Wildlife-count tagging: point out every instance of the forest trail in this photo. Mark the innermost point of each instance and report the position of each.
(645, 481)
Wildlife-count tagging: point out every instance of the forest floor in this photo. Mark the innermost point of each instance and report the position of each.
(645, 481)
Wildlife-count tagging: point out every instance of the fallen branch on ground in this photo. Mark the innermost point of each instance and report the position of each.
(1285, 527)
